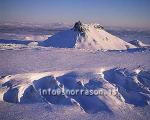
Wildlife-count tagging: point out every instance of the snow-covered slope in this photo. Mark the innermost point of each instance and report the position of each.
(87, 36)
(112, 88)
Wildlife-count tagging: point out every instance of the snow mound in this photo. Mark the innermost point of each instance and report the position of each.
(86, 36)
(100, 90)
(33, 44)
(139, 44)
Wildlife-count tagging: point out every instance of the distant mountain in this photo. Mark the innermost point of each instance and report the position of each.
(55, 25)
(87, 36)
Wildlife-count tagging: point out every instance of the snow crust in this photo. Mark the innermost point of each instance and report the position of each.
(127, 87)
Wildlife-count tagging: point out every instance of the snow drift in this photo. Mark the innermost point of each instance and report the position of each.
(87, 36)
(118, 87)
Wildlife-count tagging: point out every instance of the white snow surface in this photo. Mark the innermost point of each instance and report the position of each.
(122, 74)
(25, 70)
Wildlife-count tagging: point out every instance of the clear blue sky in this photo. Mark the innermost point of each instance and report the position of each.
(133, 13)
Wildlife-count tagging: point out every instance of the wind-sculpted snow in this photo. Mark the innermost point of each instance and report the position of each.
(110, 89)
(131, 85)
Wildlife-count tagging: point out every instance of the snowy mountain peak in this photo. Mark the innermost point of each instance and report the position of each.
(81, 27)
(87, 36)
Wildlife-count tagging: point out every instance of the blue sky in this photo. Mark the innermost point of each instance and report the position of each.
(133, 13)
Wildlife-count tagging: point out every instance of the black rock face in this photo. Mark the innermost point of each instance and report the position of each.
(99, 26)
(79, 27)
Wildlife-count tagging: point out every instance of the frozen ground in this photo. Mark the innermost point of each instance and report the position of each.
(22, 66)
(26, 68)
(38, 59)
(39, 111)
